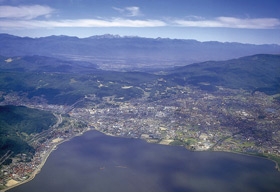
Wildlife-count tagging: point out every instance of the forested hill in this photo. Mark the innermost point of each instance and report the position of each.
(256, 73)
(37, 63)
(65, 87)
(16, 126)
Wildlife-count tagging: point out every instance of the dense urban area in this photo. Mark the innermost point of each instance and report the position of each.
(233, 120)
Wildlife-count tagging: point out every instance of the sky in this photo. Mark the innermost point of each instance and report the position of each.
(245, 21)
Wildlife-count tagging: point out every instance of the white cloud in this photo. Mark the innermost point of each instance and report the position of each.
(25, 12)
(232, 22)
(24, 17)
(129, 11)
(134, 11)
(116, 22)
(194, 17)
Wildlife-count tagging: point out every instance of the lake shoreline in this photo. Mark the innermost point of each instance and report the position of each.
(252, 155)
(235, 152)
(33, 175)
(54, 147)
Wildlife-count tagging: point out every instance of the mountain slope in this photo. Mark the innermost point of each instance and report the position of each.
(16, 125)
(44, 64)
(65, 82)
(255, 73)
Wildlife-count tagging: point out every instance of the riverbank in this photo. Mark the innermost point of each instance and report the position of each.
(45, 157)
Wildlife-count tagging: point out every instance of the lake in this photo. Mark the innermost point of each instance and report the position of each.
(95, 162)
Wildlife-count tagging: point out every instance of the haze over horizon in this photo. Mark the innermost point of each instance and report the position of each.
(254, 22)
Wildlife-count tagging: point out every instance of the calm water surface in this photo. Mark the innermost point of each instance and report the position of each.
(95, 162)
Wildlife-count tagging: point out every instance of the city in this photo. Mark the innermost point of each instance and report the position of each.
(225, 120)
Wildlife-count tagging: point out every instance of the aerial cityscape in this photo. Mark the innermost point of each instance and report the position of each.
(125, 72)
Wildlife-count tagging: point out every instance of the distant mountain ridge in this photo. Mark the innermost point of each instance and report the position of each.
(113, 51)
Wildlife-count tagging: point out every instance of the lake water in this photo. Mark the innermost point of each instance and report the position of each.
(96, 162)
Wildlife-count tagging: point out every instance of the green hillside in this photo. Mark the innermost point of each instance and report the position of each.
(64, 88)
(16, 123)
(254, 73)
(44, 64)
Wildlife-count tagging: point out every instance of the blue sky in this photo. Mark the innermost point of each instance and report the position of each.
(246, 21)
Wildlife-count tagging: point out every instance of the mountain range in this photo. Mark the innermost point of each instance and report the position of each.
(113, 52)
